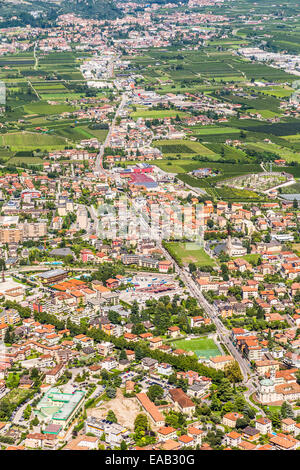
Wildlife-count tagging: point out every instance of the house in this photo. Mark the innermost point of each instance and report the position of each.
(174, 331)
(52, 376)
(105, 348)
(264, 425)
(186, 440)
(288, 425)
(41, 441)
(166, 432)
(250, 433)
(164, 369)
(196, 434)
(148, 363)
(233, 439)
(284, 442)
(83, 442)
(181, 401)
(230, 419)
(155, 342)
(220, 362)
(169, 445)
(164, 266)
(266, 366)
(109, 363)
(246, 445)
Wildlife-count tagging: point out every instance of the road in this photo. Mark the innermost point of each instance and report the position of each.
(248, 375)
(99, 160)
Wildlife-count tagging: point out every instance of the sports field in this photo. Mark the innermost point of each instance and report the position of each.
(202, 347)
(189, 253)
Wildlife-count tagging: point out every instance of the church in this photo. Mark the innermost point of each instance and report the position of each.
(279, 387)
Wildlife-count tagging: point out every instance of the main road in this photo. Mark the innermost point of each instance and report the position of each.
(223, 333)
(99, 164)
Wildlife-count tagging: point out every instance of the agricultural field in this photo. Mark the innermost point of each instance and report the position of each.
(156, 114)
(43, 108)
(292, 189)
(182, 148)
(204, 348)
(234, 195)
(208, 130)
(31, 141)
(282, 152)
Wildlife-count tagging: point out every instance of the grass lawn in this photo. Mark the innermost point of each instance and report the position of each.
(202, 347)
(189, 253)
(251, 258)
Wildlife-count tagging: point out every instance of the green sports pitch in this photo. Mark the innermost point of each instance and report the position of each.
(204, 348)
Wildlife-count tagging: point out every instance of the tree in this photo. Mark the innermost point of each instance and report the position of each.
(286, 410)
(155, 392)
(123, 355)
(192, 267)
(111, 416)
(241, 423)
(111, 392)
(233, 372)
(270, 340)
(123, 445)
(276, 419)
(224, 392)
(35, 421)
(27, 412)
(141, 422)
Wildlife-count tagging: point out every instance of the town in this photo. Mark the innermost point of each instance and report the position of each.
(150, 226)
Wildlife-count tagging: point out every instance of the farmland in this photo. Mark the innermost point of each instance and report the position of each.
(182, 148)
(31, 141)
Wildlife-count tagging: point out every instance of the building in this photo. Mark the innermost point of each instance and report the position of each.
(83, 443)
(220, 362)
(230, 419)
(52, 376)
(58, 407)
(10, 235)
(114, 432)
(150, 409)
(51, 277)
(181, 401)
(264, 425)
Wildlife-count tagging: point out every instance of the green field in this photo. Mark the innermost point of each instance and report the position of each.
(43, 108)
(215, 130)
(183, 148)
(202, 347)
(30, 141)
(189, 253)
(156, 114)
(282, 152)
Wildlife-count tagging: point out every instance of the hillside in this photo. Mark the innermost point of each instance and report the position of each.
(46, 12)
